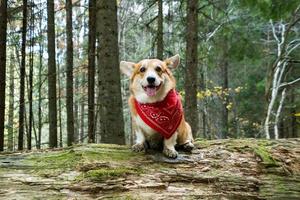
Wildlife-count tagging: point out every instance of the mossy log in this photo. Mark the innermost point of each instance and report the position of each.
(216, 169)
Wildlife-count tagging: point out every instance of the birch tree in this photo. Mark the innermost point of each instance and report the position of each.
(281, 32)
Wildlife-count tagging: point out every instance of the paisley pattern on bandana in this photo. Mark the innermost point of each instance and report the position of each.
(164, 116)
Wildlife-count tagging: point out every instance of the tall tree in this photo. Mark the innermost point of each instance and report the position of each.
(76, 108)
(59, 105)
(160, 40)
(10, 139)
(69, 100)
(31, 57)
(51, 75)
(111, 113)
(3, 28)
(22, 79)
(224, 77)
(41, 51)
(191, 78)
(91, 70)
(82, 110)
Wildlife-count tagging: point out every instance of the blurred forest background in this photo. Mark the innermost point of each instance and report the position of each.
(60, 80)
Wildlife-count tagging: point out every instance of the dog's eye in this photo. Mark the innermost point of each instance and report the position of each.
(158, 69)
(142, 69)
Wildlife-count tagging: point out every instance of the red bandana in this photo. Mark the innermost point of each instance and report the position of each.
(164, 116)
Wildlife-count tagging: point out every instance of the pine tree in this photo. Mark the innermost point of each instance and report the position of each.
(51, 75)
(111, 113)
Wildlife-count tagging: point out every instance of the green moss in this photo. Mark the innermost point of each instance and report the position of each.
(99, 175)
(109, 155)
(110, 146)
(68, 159)
(203, 143)
(280, 187)
(57, 160)
(265, 156)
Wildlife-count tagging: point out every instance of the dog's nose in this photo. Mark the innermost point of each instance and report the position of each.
(150, 80)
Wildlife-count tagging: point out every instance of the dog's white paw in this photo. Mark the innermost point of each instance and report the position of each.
(188, 146)
(170, 153)
(138, 147)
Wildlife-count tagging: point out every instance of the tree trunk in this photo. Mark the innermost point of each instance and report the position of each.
(224, 74)
(51, 76)
(191, 78)
(91, 71)
(41, 51)
(160, 41)
(31, 33)
(111, 113)
(82, 110)
(59, 106)
(3, 27)
(22, 79)
(76, 109)
(69, 67)
(10, 141)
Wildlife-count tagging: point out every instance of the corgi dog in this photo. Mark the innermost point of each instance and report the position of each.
(156, 108)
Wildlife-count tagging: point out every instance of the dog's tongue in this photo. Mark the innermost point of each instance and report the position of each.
(151, 91)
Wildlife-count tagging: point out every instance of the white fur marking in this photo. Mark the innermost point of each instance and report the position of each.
(171, 142)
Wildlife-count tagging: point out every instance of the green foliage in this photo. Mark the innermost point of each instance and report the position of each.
(270, 9)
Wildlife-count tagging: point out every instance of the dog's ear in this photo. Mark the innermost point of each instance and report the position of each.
(172, 62)
(127, 68)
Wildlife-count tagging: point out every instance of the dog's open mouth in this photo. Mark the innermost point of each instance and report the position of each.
(151, 90)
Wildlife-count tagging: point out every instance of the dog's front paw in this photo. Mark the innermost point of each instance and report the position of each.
(188, 146)
(170, 153)
(138, 147)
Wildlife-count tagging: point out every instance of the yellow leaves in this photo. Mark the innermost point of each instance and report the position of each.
(297, 114)
(238, 89)
(200, 95)
(256, 125)
(207, 93)
(229, 106)
(218, 91)
(182, 93)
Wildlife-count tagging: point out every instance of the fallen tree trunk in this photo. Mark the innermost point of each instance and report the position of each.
(229, 169)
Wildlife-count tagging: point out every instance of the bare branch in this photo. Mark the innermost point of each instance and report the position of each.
(289, 83)
(292, 49)
(274, 31)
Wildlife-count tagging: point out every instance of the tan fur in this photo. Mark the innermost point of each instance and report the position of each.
(167, 80)
(184, 129)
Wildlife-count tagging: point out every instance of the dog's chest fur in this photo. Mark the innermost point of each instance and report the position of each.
(147, 130)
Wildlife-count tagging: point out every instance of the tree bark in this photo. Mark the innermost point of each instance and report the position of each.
(22, 79)
(41, 51)
(91, 71)
(191, 78)
(30, 92)
(3, 28)
(69, 95)
(52, 76)
(224, 74)
(10, 141)
(59, 106)
(111, 112)
(82, 110)
(76, 110)
(160, 41)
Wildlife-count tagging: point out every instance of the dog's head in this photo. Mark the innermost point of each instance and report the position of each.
(151, 79)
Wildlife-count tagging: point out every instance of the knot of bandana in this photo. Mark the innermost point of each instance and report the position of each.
(164, 116)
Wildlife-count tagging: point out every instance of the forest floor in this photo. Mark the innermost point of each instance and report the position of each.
(216, 169)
